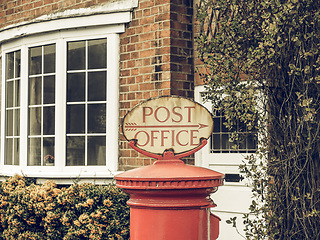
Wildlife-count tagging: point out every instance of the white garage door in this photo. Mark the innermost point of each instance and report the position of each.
(232, 199)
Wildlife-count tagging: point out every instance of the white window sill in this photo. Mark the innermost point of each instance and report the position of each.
(65, 178)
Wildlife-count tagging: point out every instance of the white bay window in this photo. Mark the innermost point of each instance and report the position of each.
(60, 94)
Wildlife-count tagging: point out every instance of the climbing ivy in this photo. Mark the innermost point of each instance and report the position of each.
(261, 63)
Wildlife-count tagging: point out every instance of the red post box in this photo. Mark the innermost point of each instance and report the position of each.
(170, 200)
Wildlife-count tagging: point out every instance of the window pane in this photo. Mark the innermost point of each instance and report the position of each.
(8, 151)
(17, 93)
(216, 141)
(49, 58)
(76, 55)
(49, 89)
(97, 118)
(97, 150)
(252, 141)
(242, 141)
(75, 151)
(35, 60)
(17, 122)
(9, 93)
(48, 120)
(75, 118)
(10, 65)
(97, 54)
(35, 89)
(34, 156)
(216, 125)
(17, 64)
(97, 86)
(225, 141)
(48, 151)
(9, 123)
(12, 111)
(35, 121)
(76, 87)
(16, 151)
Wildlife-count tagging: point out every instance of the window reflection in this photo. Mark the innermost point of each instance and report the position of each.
(75, 151)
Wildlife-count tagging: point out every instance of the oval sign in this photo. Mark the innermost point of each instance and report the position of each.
(167, 122)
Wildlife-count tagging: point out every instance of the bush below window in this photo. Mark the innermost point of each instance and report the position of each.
(80, 211)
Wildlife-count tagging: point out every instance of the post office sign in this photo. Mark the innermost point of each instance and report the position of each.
(167, 122)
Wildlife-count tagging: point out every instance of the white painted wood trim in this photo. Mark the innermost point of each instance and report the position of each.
(47, 26)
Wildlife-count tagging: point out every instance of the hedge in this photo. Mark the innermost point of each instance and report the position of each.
(80, 211)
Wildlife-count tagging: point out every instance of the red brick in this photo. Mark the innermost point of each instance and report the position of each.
(148, 69)
(131, 31)
(166, 92)
(146, 95)
(131, 95)
(146, 86)
(124, 105)
(139, 95)
(146, 61)
(137, 14)
(146, 29)
(146, 12)
(48, 1)
(155, 10)
(134, 71)
(146, 45)
(147, 53)
(139, 30)
(147, 20)
(131, 80)
(124, 153)
(38, 4)
(135, 38)
(161, 2)
(133, 88)
(134, 55)
(154, 94)
(165, 33)
(154, 27)
(139, 79)
(124, 56)
(133, 103)
(146, 4)
(162, 17)
(130, 63)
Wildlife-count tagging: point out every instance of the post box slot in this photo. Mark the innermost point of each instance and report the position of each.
(231, 177)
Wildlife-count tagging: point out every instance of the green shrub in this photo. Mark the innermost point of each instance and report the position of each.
(81, 211)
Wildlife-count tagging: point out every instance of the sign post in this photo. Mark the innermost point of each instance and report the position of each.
(169, 200)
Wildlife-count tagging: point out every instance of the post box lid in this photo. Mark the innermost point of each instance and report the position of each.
(169, 174)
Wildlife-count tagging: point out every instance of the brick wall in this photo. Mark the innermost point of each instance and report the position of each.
(156, 59)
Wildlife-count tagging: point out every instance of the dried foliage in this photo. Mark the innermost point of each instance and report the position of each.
(261, 64)
(81, 211)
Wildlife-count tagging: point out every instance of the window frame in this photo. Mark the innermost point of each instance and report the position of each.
(60, 38)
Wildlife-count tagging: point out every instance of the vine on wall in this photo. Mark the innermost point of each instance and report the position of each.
(261, 66)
